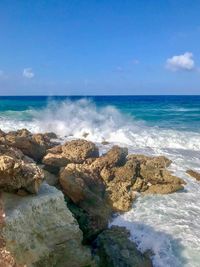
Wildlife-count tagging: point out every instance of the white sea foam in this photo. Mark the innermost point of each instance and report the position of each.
(106, 123)
(167, 225)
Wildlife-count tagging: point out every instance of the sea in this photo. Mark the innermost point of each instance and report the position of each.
(165, 226)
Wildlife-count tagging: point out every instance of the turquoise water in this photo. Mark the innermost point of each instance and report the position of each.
(167, 225)
(174, 112)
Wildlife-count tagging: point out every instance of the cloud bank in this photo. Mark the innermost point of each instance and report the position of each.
(28, 73)
(181, 62)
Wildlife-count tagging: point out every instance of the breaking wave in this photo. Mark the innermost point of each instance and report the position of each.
(75, 118)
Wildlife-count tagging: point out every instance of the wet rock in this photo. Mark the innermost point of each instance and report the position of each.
(194, 174)
(114, 249)
(39, 230)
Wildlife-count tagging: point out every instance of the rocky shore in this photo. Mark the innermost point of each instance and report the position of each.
(56, 201)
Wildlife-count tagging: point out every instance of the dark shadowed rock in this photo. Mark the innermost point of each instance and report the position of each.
(114, 249)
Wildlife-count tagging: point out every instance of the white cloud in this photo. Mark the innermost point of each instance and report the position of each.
(181, 62)
(28, 73)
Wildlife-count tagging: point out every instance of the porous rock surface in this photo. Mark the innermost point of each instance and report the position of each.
(76, 151)
(32, 145)
(18, 171)
(40, 231)
(118, 178)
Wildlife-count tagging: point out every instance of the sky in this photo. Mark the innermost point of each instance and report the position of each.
(90, 47)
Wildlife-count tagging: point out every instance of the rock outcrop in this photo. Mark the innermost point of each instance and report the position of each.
(116, 178)
(114, 249)
(18, 172)
(76, 151)
(194, 174)
(32, 145)
(39, 231)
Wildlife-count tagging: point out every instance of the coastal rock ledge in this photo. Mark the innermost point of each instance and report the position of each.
(39, 230)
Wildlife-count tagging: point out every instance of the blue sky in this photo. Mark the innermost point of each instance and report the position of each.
(99, 47)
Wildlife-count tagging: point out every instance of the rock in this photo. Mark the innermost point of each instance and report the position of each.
(163, 188)
(114, 249)
(119, 185)
(76, 151)
(194, 174)
(87, 192)
(116, 178)
(104, 142)
(32, 145)
(154, 178)
(50, 178)
(19, 174)
(39, 231)
(116, 156)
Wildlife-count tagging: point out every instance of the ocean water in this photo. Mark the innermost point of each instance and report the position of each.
(168, 226)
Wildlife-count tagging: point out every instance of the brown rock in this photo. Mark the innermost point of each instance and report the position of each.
(163, 188)
(121, 178)
(76, 151)
(116, 156)
(16, 173)
(194, 174)
(32, 145)
(87, 192)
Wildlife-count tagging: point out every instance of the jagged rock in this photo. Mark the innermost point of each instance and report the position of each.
(39, 231)
(194, 174)
(87, 192)
(155, 177)
(76, 151)
(114, 249)
(116, 156)
(122, 178)
(32, 145)
(16, 173)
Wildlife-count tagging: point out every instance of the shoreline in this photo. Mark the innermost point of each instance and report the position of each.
(95, 187)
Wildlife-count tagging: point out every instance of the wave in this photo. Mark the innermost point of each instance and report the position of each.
(75, 118)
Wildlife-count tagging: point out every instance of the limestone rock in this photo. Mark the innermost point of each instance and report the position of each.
(114, 249)
(39, 231)
(18, 174)
(87, 192)
(32, 145)
(116, 156)
(75, 151)
(119, 177)
(194, 174)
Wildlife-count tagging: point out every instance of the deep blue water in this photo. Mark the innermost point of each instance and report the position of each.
(174, 112)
